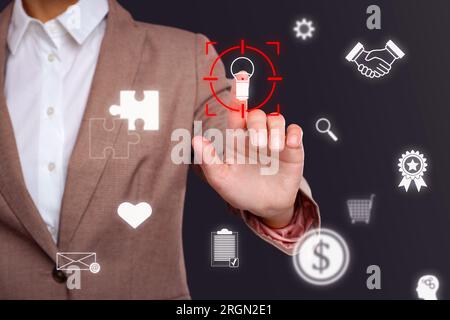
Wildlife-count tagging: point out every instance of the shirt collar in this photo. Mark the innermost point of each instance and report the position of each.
(79, 20)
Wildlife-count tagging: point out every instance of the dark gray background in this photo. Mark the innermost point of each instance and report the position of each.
(376, 121)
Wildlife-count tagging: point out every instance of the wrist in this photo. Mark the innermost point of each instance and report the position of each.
(279, 220)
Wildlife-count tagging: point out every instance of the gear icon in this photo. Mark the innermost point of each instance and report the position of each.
(304, 29)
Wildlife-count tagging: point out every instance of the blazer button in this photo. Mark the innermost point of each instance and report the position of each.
(59, 276)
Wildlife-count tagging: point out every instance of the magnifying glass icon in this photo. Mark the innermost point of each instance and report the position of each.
(323, 125)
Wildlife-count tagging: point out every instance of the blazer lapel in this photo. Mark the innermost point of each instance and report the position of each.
(116, 69)
(12, 183)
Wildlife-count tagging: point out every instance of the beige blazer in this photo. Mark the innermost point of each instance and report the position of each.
(142, 263)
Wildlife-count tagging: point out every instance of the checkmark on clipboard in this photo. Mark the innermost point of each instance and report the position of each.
(233, 262)
(224, 249)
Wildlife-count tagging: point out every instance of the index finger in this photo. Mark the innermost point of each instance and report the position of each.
(239, 101)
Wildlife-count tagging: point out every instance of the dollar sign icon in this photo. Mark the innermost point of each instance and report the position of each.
(321, 256)
(324, 262)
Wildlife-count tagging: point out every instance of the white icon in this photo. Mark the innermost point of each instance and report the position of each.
(326, 128)
(360, 209)
(304, 29)
(427, 287)
(375, 63)
(224, 249)
(242, 80)
(131, 109)
(134, 215)
(412, 165)
(321, 257)
(82, 261)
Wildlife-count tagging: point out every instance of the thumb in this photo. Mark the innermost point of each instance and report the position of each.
(206, 155)
(293, 153)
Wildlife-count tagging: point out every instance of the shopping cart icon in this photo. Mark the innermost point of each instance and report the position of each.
(360, 209)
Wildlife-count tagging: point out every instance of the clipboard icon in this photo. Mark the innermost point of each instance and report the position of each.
(224, 249)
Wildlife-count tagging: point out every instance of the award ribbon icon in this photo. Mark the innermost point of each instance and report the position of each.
(412, 165)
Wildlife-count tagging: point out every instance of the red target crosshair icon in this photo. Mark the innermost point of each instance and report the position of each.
(242, 48)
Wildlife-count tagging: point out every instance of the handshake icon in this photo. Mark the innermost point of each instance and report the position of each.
(375, 63)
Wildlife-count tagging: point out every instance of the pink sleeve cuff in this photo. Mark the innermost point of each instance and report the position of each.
(306, 217)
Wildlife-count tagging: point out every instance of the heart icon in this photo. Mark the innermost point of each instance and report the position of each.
(134, 215)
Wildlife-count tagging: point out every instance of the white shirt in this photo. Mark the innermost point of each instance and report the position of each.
(49, 72)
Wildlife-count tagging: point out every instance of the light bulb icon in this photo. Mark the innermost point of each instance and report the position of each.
(242, 80)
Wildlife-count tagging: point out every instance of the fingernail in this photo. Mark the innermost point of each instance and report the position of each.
(294, 140)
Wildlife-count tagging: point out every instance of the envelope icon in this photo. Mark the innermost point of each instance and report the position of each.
(82, 260)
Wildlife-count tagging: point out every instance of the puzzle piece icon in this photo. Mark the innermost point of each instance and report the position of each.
(132, 109)
(99, 145)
